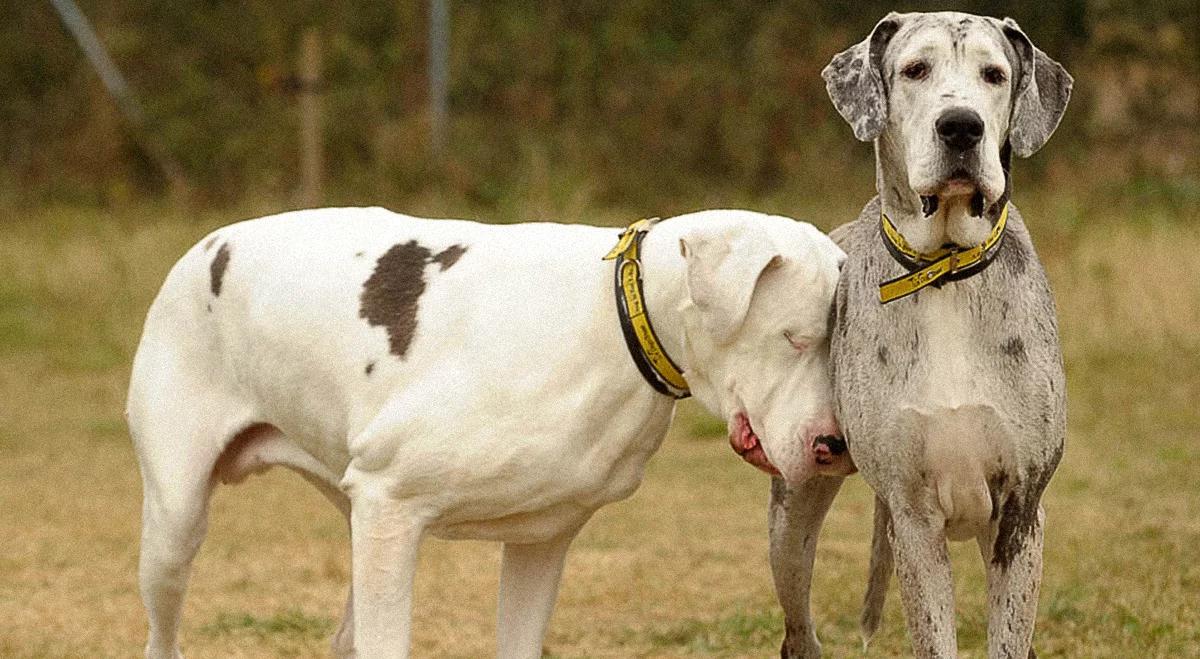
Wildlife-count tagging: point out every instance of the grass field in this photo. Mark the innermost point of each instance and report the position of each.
(680, 569)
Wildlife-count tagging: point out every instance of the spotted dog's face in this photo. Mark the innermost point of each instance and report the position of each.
(948, 93)
(757, 339)
(950, 82)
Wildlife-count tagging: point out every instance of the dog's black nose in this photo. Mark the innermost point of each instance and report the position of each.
(837, 445)
(960, 128)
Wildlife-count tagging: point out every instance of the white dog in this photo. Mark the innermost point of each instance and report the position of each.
(468, 381)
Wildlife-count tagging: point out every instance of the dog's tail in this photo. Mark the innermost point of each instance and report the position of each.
(880, 574)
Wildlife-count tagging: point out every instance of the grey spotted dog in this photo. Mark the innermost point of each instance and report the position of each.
(948, 375)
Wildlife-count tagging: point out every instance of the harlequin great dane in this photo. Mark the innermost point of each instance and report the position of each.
(948, 377)
(467, 381)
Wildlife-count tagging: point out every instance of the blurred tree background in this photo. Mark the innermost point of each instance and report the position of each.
(655, 106)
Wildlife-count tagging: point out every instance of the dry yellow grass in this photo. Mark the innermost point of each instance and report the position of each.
(679, 569)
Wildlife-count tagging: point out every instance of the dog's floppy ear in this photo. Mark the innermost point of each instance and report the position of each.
(1041, 89)
(854, 79)
(723, 269)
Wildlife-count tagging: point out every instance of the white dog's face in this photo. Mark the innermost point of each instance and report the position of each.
(757, 332)
(950, 95)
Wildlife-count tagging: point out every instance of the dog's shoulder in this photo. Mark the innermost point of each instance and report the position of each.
(853, 236)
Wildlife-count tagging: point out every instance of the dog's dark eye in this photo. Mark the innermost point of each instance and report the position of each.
(994, 75)
(915, 70)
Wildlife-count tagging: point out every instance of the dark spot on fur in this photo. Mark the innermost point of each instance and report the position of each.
(210, 242)
(1018, 516)
(449, 256)
(217, 269)
(358, 255)
(370, 367)
(1014, 348)
(996, 485)
(390, 294)
(209, 306)
(882, 354)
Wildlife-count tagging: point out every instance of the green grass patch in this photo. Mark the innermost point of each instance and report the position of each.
(739, 631)
(291, 623)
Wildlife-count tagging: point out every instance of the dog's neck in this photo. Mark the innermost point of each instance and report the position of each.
(664, 285)
(952, 222)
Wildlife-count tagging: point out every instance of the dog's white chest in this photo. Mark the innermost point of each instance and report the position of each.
(952, 374)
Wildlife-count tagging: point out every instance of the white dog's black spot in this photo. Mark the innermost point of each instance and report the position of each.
(390, 296)
(370, 368)
(216, 269)
(449, 256)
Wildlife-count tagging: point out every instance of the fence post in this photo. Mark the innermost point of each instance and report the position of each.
(439, 72)
(311, 145)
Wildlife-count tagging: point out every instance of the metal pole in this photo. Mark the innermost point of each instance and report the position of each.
(439, 72)
(79, 27)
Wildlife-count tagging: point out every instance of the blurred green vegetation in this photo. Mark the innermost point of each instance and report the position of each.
(653, 106)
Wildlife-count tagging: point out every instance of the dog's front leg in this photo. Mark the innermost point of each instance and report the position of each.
(529, 578)
(796, 515)
(385, 535)
(926, 583)
(1012, 552)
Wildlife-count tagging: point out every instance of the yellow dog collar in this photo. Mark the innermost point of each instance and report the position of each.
(937, 267)
(648, 354)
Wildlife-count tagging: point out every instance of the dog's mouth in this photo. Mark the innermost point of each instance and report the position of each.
(959, 183)
(746, 444)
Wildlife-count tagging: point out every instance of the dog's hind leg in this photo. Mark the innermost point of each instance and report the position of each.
(174, 521)
(880, 573)
(342, 644)
(529, 578)
(178, 437)
(1012, 552)
(796, 515)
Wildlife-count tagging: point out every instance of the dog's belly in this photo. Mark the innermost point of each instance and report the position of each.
(519, 528)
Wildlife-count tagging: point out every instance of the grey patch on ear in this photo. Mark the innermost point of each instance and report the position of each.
(1041, 90)
(854, 80)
